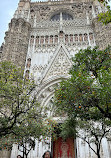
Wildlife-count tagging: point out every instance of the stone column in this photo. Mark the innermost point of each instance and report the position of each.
(28, 17)
(93, 12)
(94, 40)
(87, 17)
(61, 23)
(88, 39)
(35, 21)
(34, 43)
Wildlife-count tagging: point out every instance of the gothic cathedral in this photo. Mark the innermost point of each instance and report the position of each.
(42, 38)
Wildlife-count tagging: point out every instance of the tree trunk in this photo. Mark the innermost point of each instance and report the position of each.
(23, 151)
(98, 153)
(26, 155)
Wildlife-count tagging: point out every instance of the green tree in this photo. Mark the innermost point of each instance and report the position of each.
(21, 116)
(105, 18)
(85, 96)
(27, 132)
(89, 87)
(26, 146)
(39, 129)
(16, 98)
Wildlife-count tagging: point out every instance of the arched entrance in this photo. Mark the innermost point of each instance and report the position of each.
(59, 148)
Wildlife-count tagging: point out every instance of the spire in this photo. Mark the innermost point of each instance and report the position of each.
(24, 4)
(23, 7)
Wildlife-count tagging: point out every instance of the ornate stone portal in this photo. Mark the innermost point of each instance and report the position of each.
(42, 38)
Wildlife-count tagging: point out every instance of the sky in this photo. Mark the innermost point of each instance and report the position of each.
(7, 9)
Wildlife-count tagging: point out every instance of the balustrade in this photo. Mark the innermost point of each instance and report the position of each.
(65, 38)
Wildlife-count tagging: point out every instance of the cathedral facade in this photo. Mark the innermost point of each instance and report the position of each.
(42, 38)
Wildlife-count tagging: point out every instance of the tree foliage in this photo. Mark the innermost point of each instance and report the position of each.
(16, 101)
(105, 17)
(87, 92)
(85, 96)
(21, 116)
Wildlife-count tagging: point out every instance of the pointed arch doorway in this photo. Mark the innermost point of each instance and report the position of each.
(64, 149)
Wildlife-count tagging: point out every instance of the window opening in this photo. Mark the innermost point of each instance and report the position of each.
(65, 16)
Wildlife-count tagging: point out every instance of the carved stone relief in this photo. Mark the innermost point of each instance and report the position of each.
(39, 68)
(60, 65)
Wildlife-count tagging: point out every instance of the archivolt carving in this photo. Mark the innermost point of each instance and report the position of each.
(51, 88)
(43, 95)
(46, 90)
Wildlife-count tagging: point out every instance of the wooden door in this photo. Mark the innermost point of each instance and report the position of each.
(63, 149)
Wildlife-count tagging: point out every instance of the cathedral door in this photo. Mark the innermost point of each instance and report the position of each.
(63, 149)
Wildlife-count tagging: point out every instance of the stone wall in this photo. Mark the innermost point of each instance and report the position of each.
(5, 154)
(102, 34)
(16, 42)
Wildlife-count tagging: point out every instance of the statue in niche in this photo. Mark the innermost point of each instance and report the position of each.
(37, 39)
(28, 63)
(61, 34)
(71, 38)
(91, 36)
(85, 37)
(32, 39)
(80, 37)
(66, 38)
(76, 37)
(27, 74)
(51, 39)
(56, 39)
(42, 40)
(46, 39)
